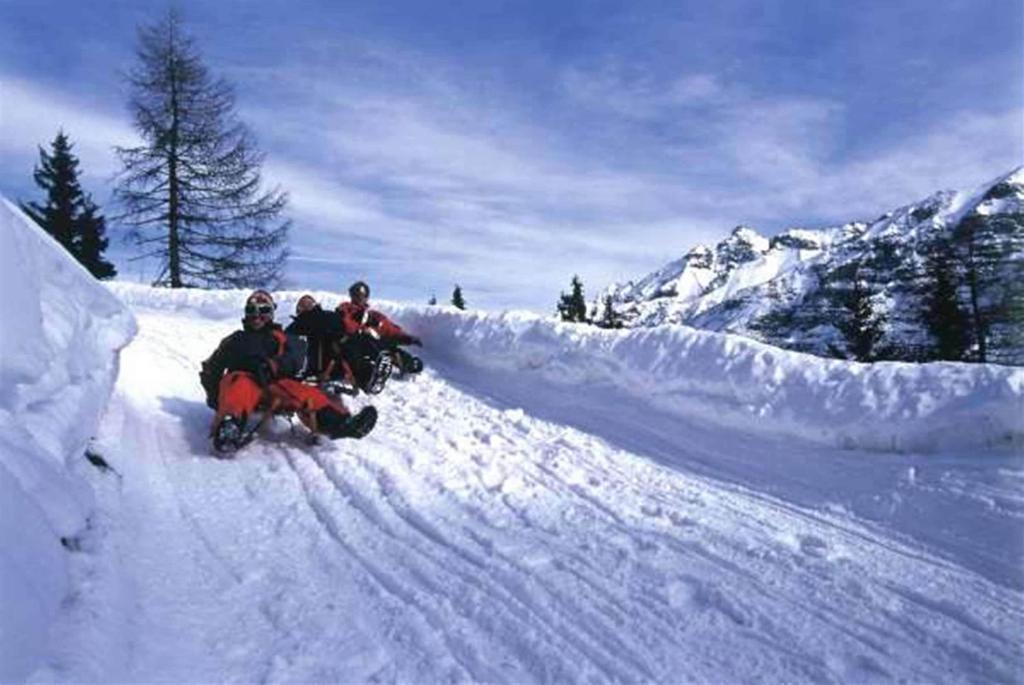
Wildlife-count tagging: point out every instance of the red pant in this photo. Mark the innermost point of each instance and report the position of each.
(240, 395)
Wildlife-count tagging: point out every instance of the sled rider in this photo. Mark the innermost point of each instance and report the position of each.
(252, 370)
(368, 332)
(320, 329)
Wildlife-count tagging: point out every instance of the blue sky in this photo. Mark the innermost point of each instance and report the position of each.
(508, 145)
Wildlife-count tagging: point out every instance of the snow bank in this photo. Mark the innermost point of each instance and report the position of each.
(722, 379)
(60, 330)
(741, 384)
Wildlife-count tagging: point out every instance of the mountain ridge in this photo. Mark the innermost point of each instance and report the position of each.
(789, 290)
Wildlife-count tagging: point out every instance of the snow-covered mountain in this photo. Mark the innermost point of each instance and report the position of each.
(789, 290)
(545, 503)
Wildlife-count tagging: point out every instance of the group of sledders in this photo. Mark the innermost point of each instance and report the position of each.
(304, 369)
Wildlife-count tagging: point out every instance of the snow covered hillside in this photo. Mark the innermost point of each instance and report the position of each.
(59, 335)
(552, 503)
(724, 380)
(789, 290)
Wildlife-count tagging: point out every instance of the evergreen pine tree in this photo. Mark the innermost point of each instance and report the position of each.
(573, 307)
(862, 327)
(457, 301)
(945, 318)
(989, 249)
(608, 318)
(69, 214)
(192, 191)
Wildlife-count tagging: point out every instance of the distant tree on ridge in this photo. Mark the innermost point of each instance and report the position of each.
(573, 307)
(457, 300)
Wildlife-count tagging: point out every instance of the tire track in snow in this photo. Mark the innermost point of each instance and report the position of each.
(382, 579)
(477, 577)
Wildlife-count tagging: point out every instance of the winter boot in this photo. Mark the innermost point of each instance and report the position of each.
(408, 364)
(335, 425)
(380, 368)
(228, 436)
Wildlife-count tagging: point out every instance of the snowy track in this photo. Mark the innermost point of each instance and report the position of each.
(470, 540)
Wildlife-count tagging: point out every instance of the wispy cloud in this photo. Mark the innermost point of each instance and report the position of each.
(31, 115)
(791, 157)
(417, 172)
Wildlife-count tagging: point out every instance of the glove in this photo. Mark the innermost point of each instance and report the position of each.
(266, 372)
(413, 340)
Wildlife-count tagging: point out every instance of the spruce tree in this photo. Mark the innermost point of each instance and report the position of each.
(945, 319)
(192, 191)
(862, 328)
(989, 249)
(69, 214)
(457, 301)
(92, 234)
(573, 307)
(609, 318)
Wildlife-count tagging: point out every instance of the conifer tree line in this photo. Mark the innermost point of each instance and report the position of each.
(572, 307)
(971, 294)
(190, 195)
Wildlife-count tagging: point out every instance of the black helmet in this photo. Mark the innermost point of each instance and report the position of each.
(359, 288)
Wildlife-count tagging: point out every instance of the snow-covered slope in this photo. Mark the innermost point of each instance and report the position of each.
(60, 331)
(789, 290)
(727, 381)
(545, 503)
(525, 512)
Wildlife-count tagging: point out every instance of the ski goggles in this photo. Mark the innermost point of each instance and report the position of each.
(253, 309)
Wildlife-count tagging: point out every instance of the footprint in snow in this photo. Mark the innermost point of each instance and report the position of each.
(813, 546)
(691, 594)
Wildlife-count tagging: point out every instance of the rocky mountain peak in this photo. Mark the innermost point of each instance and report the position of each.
(790, 290)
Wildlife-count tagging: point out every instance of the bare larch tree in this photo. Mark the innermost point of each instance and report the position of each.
(191, 192)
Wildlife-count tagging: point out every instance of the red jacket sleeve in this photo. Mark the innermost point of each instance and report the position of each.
(388, 329)
(350, 318)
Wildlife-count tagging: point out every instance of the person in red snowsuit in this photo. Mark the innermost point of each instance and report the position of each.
(370, 336)
(357, 318)
(252, 370)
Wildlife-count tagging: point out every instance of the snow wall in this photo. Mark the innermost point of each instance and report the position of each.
(719, 379)
(60, 331)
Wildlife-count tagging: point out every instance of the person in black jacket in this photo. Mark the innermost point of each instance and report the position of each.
(253, 370)
(321, 330)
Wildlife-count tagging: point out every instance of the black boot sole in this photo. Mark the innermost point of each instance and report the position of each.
(363, 423)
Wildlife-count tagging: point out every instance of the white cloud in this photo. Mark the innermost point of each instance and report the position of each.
(31, 115)
(313, 195)
(401, 170)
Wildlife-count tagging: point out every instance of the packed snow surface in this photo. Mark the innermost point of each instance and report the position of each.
(59, 335)
(725, 380)
(552, 503)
